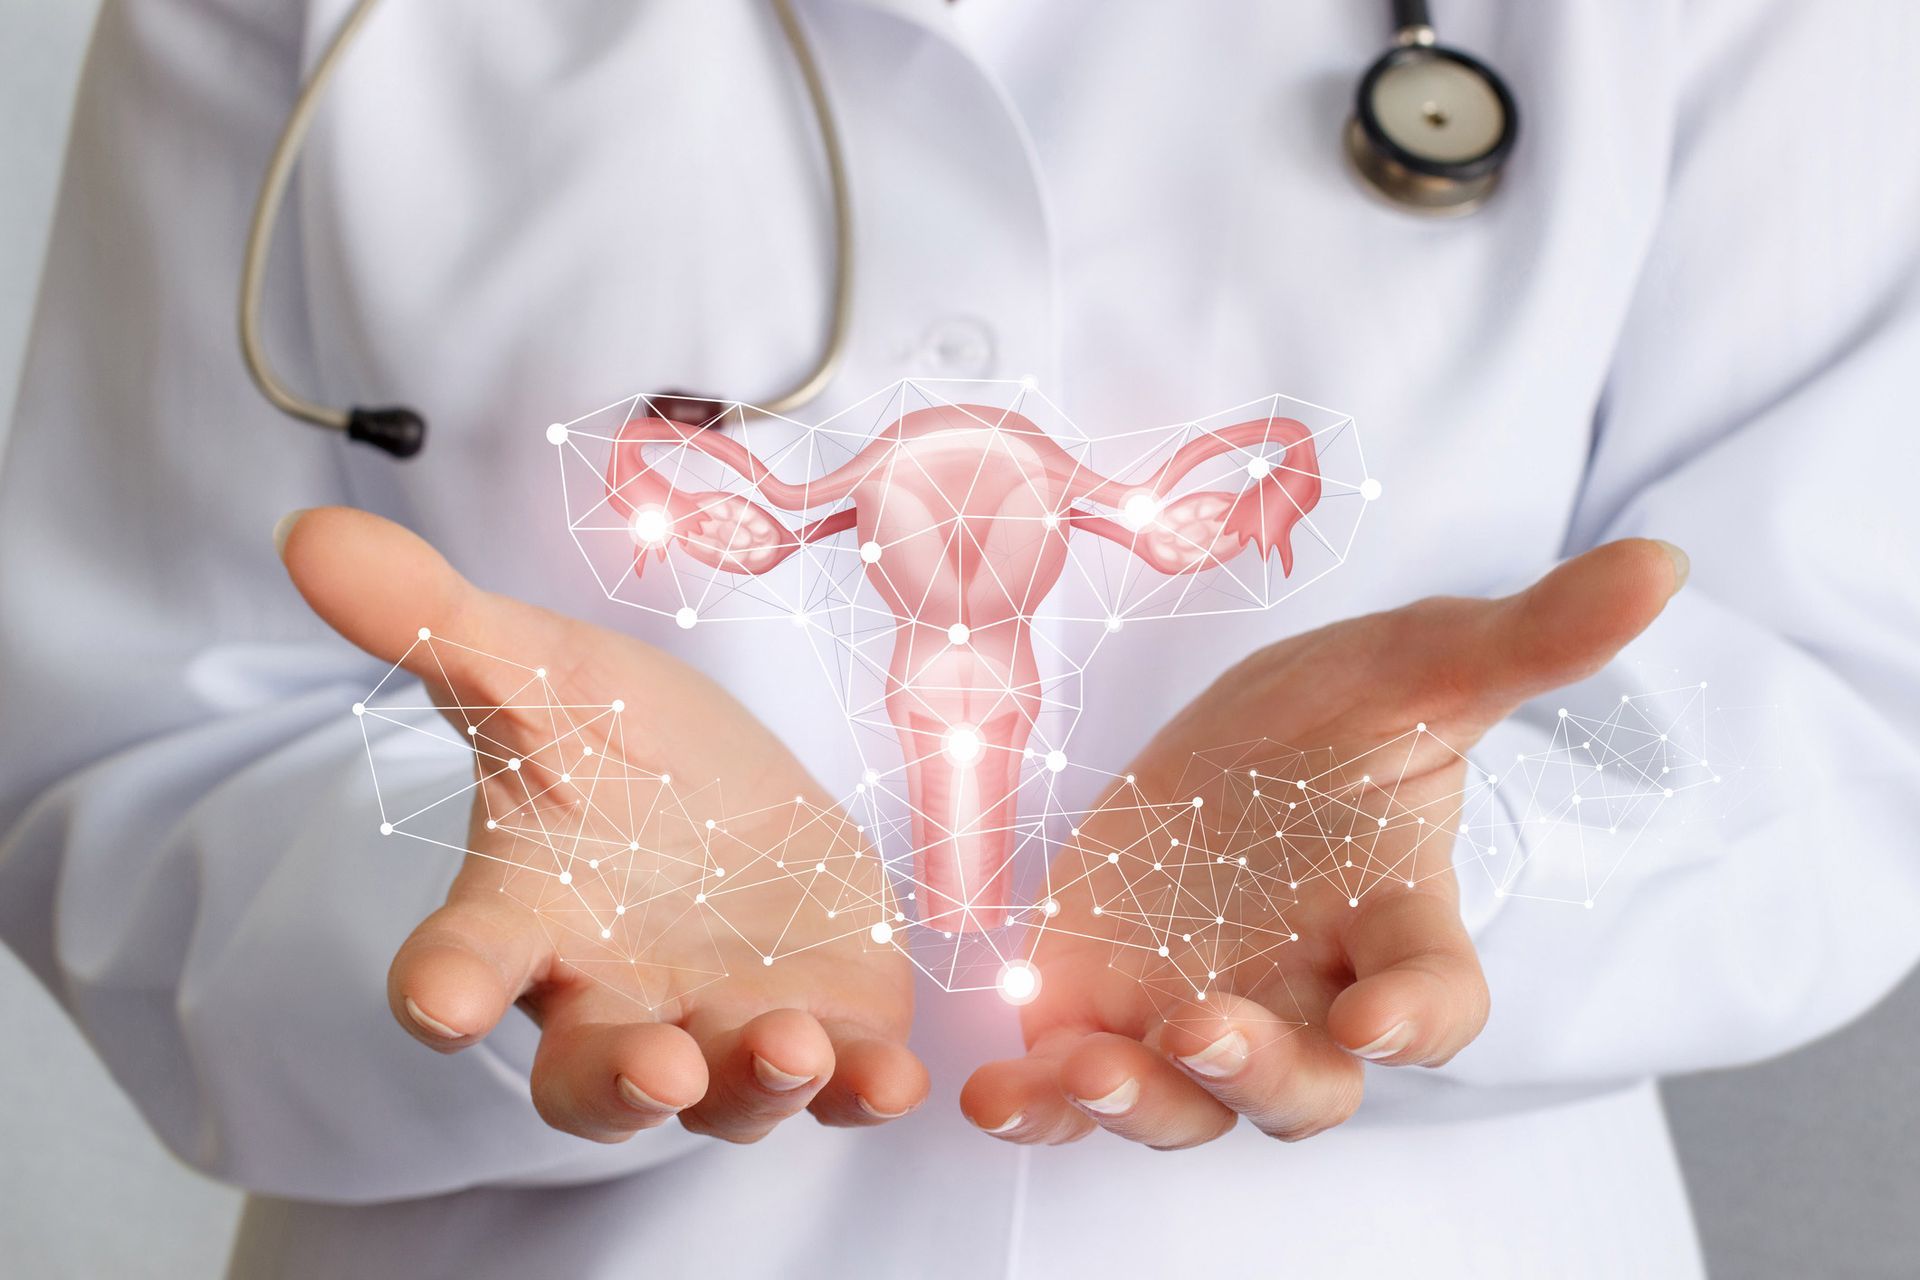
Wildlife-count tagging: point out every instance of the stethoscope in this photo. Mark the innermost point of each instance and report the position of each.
(1431, 131)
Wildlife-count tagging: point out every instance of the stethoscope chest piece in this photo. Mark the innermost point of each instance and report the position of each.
(1431, 128)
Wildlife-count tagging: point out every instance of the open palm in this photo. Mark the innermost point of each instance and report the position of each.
(660, 883)
(1240, 924)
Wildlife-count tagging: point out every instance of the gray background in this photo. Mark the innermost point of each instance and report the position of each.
(1805, 1166)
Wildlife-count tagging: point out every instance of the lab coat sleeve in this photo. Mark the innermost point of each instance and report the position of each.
(188, 851)
(1759, 415)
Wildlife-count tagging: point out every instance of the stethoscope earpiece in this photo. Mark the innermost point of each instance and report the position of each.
(397, 431)
(1432, 127)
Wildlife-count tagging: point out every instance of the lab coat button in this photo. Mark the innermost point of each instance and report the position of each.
(957, 347)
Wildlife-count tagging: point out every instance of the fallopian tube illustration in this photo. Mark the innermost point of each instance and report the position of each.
(963, 515)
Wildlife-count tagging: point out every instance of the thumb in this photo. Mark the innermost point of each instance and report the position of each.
(380, 585)
(1562, 629)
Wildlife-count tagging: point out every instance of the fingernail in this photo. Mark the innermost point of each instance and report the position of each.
(285, 527)
(432, 1024)
(640, 1100)
(1682, 566)
(1117, 1103)
(1220, 1059)
(776, 1080)
(1389, 1044)
(876, 1112)
(1008, 1125)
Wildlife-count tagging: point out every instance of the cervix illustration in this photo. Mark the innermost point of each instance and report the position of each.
(962, 516)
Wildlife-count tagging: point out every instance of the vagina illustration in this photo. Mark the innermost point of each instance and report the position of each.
(952, 519)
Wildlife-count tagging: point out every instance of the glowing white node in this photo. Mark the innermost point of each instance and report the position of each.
(593, 864)
(541, 672)
(514, 764)
(699, 897)
(1259, 468)
(556, 434)
(799, 618)
(958, 633)
(633, 846)
(606, 933)
(1370, 489)
(386, 828)
(1113, 624)
(686, 618)
(620, 910)
(425, 634)
(1113, 857)
(566, 877)
(619, 704)
(1050, 520)
(1421, 727)
(1353, 902)
(491, 824)
(566, 777)
(1163, 952)
(963, 745)
(1139, 510)
(711, 824)
(1563, 713)
(1056, 760)
(473, 730)
(1028, 382)
(649, 526)
(1199, 801)
(870, 552)
(359, 708)
(1019, 982)
(1051, 907)
(767, 961)
(881, 933)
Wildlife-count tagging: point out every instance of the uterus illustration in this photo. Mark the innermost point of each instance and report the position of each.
(961, 516)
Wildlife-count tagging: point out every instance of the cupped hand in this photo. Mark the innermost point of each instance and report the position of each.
(652, 1000)
(1197, 969)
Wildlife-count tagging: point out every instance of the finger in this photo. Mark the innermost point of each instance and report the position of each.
(460, 969)
(760, 1073)
(1289, 1081)
(1419, 995)
(1020, 1100)
(874, 1080)
(381, 586)
(387, 590)
(1135, 1093)
(1560, 630)
(607, 1081)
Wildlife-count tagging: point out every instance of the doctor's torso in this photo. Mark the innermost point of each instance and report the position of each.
(511, 214)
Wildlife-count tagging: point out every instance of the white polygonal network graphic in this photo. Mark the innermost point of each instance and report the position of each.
(956, 554)
(658, 886)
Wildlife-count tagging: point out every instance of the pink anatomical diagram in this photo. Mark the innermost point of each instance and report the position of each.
(962, 516)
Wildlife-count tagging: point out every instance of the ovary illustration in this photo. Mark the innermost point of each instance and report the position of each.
(961, 516)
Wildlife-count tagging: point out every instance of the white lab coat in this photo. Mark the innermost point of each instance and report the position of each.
(1693, 312)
